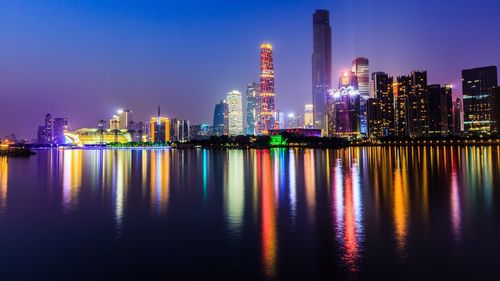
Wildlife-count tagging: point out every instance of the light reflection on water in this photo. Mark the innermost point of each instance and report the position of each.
(270, 201)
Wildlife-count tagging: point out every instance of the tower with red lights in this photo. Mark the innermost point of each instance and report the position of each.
(267, 106)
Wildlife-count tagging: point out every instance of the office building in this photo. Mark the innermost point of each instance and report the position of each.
(220, 122)
(457, 117)
(382, 89)
(308, 116)
(253, 108)
(360, 69)
(412, 105)
(267, 95)
(125, 119)
(440, 99)
(321, 66)
(345, 107)
(375, 118)
(477, 84)
(495, 110)
(234, 113)
(159, 128)
(60, 127)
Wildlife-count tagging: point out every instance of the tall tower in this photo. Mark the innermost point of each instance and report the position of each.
(253, 110)
(360, 69)
(267, 107)
(321, 66)
(235, 113)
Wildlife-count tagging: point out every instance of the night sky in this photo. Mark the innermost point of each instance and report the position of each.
(86, 59)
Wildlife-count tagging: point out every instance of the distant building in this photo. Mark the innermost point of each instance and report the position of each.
(457, 117)
(382, 89)
(60, 127)
(45, 133)
(160, 128)
(345, 112)
(279, 120)
(267, 95)
(114, 123)
(293, 121)
(361, 70)
(220, 123)
(125, 119)
(321, 66)
(234, 113)
(181, 130)
(308, 116)
(96, 136)
(198, 132)
(375, 118)
(253, 108)
(477, 84)
(495, 110)
(411, 106)
(440, 110)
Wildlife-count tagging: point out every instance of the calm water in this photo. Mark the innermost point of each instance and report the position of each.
(359, 213)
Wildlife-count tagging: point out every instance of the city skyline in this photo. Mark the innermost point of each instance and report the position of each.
(69, 90)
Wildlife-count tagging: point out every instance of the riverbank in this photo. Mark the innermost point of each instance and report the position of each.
(16, 152)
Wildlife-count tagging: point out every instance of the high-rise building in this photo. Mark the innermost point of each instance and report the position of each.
(253, 108)
(476, 85)
(234, 113)
(279, 120)
(382, 89)
(438, 102)
(220, 124)
(308, 116)
(321, 66)
(495, 110)
(267, 106)
(412, 105)
(197, 132)
(125, 119)
(293, 121)
(182, 130)
(360, 69)
(457, 117)
(114, 123)
(60, 127)
(45, 133)
(160, 128)
(344, 118)
(375, 118)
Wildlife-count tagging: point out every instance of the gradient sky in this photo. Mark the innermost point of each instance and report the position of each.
(86, 59)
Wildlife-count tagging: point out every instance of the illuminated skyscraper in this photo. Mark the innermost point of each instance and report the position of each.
(234, 113)
(360, 69)
(160, 128)
(267, 110)
(495, 110)
(412, 117)
(321, 66)
(220, 124)
(253, 105)
(60, 127)
(476, 85)
(46, 132)
(383, 91)
(440, 99)
(125, 119)
(457, 117)
(308, 116)
(343, 108)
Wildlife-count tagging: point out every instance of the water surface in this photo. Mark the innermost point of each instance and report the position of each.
(357, 213)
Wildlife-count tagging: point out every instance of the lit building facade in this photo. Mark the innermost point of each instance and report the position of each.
(345, 112)
(440, 110)
(477, 84)
(220, 122)
(60, 127)
(125, 119)
(321, 66)
(412, 118)
(382, 89)
(159, 128)
(308, 116)
(267, 95)
(234, 113)
(360, 68)
(495, 110)
(458, 118)
(253, 108)
(375, 118)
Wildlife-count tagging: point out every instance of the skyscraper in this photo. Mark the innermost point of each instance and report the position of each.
(382, 90)
(412, 105)
(344, 105)
(253, 105)
(45, 133)
(439, 98)
(476, 85)
(308, 116)
(321, 66)
(457, 117)
(495, 110)
(60, 127)
(160, 128)
(220, 123)
(235, 113)
(360, 69)
(125, 119)
(267, 106)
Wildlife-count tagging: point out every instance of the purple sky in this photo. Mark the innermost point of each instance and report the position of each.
(85, 59)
